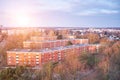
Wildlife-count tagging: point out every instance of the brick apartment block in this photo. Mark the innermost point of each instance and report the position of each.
(40, 50)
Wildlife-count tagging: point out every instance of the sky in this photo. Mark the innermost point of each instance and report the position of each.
(60, 13)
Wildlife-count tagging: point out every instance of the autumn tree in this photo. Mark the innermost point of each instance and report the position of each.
(47, 71)
(93, 38)
(51, 33)
(69, 43)
(67, 69)
(60, 37)
(110, 62)
(14, 73)
(15, 41)
(114, 62)
(89, 61)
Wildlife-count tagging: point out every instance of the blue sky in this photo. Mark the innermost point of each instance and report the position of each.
(60, 13)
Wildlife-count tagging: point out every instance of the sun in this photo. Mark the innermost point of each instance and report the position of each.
(22, 20)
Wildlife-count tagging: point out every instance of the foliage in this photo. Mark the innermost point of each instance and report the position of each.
(93, 38)
(13, 73)
(59, 37)
(69, 43)
(15, 41)
(89, 60)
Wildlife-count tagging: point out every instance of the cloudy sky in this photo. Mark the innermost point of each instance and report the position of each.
(60, 13)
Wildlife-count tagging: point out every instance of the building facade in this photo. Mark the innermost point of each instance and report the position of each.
(37, 57)
(52, 43)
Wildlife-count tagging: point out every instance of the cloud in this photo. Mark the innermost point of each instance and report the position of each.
(105, 11)
(52, 5)
(87, 13)
(80, 7)
(97, 12)
(76, 4)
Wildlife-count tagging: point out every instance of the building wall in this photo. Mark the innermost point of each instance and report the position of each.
(11, 58)
(38, 58)
(23, 58)
(36, 38)
(52, 44)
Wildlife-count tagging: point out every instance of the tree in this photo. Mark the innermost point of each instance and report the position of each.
(114, 62)
(90, 61)
(13, 73)
(51, 33)
(59, 37)
(104, 40)
(93, 38)
(47, 71)
(15, 41)
(111, 61)
(69, 43)
(67, 69)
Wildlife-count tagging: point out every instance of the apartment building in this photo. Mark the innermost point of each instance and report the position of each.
(42, 49)
(37, 57)
(52, 43)
(38, 38)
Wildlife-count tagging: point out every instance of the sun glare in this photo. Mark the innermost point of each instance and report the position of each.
(22, 20)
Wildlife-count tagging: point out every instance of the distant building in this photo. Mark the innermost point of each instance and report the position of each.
(38, 38)
(72, 37)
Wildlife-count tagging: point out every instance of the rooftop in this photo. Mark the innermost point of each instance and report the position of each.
(52, 49)
(51, 40)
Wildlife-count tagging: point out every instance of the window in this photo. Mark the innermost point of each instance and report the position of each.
(50, 58)
(59, 58)
(37, 62)
(17, 56)
(29, 62)
(9, 58)
(29, 56)
(17, 59)
(17, 62)
(16, 53)
(37, 59)
(37, 56)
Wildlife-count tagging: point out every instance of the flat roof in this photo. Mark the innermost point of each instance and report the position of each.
(52, 40)
(51, 49)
